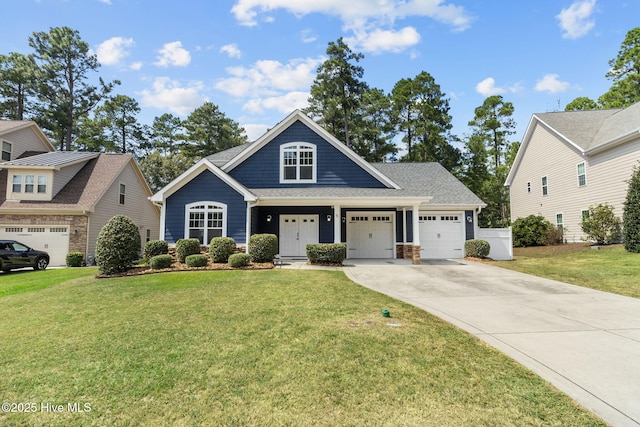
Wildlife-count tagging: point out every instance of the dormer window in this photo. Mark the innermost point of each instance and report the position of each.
(297, 163)
(17, 183)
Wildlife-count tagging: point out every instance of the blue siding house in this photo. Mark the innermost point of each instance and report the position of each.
(299, 182)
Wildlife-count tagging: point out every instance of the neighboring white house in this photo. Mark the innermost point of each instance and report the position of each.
(569, 161)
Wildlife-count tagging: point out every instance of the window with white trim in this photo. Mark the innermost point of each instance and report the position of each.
(205, 220)
(582, 175)
(123, 189)
(17, 184)
(559, 221)
(545, 186)
(297, 163)
(6, 151)
(42, 184)
(584, 214)
(29, 181)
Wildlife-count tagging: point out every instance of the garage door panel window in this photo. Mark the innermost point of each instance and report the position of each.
(206, 220)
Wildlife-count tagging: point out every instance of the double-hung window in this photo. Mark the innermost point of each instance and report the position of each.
(582, 175)
(206, 220)
(6, 151)
(29, 182)
(297, 163)
(17, 183)
(42, 184)
(545, 186)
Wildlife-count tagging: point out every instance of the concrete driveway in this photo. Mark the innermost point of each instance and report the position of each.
(585, 342)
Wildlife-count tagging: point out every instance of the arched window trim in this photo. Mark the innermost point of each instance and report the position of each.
(206, 208)
(300, 151)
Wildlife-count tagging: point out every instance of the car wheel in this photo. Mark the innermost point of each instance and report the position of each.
(41, 263)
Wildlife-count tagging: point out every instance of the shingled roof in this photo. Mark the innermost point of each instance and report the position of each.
(591, 129)
(82, 193)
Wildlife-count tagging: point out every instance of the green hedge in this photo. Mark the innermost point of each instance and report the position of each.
(221, 248)
(326, 253)
(477, 248)
(74, 259)
(263, 247)
(239, 260)
(155, 247)
(186, 247)
(197, 260)
(159, 262)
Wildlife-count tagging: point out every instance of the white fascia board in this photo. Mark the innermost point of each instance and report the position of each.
(194, 171)
(614, 142)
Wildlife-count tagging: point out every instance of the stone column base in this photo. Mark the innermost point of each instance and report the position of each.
(416, 255)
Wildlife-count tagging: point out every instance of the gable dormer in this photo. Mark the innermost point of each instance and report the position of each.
(298, 152)
(20, 137)
(42, 176)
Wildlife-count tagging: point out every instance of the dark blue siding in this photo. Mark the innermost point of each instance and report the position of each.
(468, 225)
(325, 234)
(334, 169)
(205, 187)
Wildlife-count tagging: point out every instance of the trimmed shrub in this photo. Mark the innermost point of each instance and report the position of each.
(631, 213)
(158, 262)
(533, 230)
(602, 226)
(239, 260)
(74, 259)
(221, 248)
(477, 248)
(263, 247)
(197, 260)
(186, 247)
(118, 245)
(326, 253)
(155, 247)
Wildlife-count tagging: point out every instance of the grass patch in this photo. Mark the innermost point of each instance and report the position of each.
(28, 280)
(277, 347)
(610, 269)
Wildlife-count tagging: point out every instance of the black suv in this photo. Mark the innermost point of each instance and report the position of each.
(17, 255)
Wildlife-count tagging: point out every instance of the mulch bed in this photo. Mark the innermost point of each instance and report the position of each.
(178, 266)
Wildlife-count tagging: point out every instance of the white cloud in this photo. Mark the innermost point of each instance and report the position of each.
(106, 2)
(575, 21)
(136, 65)
(487, 87)
(550, 83)
(168, 94)
(308, 36)
(231, 50)
(268, 77)
(255, 131)
(173, 54)
(112, 51)
(284, 104)
(246, 11)
(377, 40)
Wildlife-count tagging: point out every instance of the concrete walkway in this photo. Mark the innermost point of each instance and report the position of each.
(585, 342)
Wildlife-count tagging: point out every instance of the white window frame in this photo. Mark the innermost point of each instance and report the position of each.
(122, 193)
(560, 224)
(7, 157)
(545, 185)
(584, 214)
(207, 207)
(584, 174)
(42, 184)
(298, 148)
(16, 184)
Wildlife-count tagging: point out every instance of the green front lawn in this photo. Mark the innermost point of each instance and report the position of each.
(277, 347)
(610, 269)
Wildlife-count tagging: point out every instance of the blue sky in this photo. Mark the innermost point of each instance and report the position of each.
(256, 59)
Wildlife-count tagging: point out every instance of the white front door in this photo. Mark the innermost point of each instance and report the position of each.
(370, 234)
(441, 235)
(296, 231)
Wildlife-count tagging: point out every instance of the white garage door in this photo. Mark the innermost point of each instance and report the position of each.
(370, 234)
(441, 235)
(51, 238)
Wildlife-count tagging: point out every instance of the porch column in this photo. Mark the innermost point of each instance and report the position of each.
(248, 227)
(337, 224)
(416, 234)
